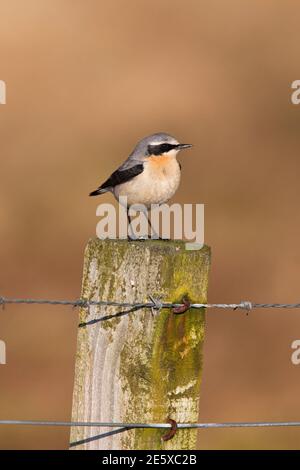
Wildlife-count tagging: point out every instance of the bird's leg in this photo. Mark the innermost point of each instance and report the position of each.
(133, 236)
(156, 236)
(129, 226)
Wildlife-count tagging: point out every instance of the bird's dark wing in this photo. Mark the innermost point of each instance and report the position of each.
(118, 177)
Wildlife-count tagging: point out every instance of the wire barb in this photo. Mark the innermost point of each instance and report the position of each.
(245, 305)
(2, 302)
(157, 304)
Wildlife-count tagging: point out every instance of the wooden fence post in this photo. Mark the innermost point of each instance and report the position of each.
(142, 366)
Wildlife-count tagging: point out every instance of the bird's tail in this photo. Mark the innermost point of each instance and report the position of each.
(98, 191)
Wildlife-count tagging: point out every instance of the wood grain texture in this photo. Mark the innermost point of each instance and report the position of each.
(140, 367)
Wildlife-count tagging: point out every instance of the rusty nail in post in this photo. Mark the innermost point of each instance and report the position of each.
(182, 308)
(170, 434)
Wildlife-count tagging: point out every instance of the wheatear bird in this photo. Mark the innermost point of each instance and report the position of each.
(150, 175)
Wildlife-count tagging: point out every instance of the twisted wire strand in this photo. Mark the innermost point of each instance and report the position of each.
(95, 424)
(153, 304)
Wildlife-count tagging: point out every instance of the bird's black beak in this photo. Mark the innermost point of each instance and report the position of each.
(184, 146)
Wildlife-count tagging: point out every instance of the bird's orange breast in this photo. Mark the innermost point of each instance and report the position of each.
(162, 166)
(155, 185)
(160, 161)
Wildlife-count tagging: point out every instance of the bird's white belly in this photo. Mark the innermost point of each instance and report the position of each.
(155, 185)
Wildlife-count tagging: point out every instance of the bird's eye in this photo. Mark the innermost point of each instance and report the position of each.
(159, 149)
(166, 148)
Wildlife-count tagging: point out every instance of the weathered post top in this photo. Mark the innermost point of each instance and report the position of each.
(139, 366)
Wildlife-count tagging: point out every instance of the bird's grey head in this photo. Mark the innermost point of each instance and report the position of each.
(157, 144)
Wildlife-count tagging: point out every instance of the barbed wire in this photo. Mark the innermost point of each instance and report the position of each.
(153, 304)
(96, 424)
(123, 427)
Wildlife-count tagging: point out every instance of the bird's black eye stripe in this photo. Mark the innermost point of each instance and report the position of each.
(159, 149)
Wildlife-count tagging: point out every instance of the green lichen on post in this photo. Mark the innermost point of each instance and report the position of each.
(154, 361)
(172, 373)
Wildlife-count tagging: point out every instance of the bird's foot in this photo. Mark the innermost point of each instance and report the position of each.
(137, 239)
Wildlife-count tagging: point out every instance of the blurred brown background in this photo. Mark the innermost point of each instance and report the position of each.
(87, 79)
